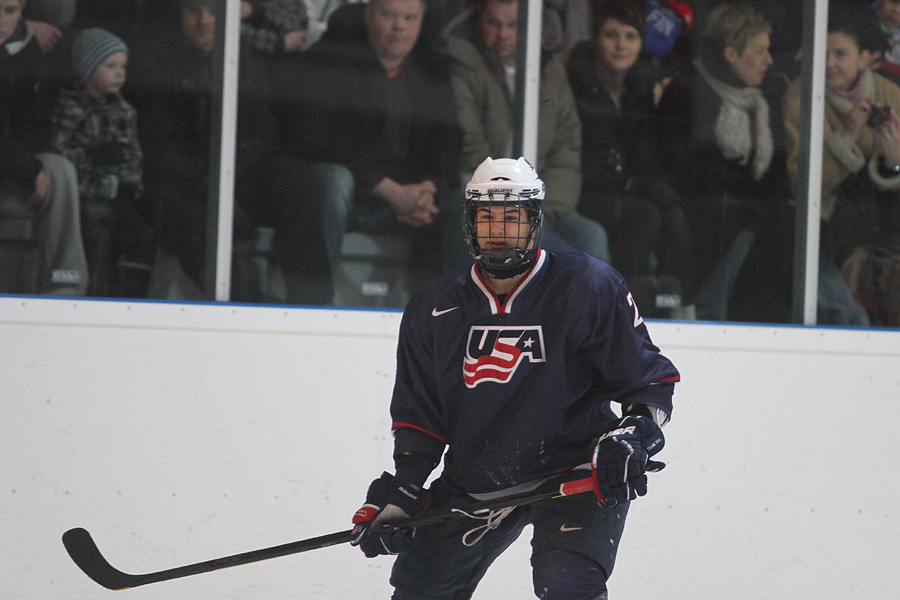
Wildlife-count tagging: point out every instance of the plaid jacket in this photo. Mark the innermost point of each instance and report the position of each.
(82, 123)
(270, 20)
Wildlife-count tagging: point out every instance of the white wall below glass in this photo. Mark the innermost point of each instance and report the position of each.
(181, 433)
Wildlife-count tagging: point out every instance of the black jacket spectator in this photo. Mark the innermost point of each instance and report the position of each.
(338, 109)
(724, 146)
(176, 89)
(25, 104)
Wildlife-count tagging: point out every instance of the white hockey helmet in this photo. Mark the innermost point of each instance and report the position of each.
(504, 182)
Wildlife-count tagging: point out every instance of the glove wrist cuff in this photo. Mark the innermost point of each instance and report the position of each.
(657, 415)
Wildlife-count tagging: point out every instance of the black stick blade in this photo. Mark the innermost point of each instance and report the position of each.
(84, 552)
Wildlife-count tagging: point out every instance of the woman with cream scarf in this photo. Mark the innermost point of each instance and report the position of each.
(861, 162)
(723, 142)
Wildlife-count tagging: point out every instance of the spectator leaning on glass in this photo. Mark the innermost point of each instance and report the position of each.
(481, 45)
(861, 162)
(46, 182)
(723, 145)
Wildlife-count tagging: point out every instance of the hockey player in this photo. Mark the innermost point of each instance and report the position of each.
(512, 366)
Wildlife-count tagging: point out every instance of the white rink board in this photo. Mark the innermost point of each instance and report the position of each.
(180, 433)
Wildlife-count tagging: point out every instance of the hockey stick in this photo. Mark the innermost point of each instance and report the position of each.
(83, 550)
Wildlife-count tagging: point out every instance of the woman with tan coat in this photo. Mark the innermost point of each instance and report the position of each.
(861, 163)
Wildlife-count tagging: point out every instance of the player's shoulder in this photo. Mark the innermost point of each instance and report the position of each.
(582, 269)
(446, 289)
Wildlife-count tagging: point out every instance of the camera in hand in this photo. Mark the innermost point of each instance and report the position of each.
(878, 115)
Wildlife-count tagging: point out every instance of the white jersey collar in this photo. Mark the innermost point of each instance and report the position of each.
(493, 300)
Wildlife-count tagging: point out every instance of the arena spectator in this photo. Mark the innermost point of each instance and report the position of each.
(481, 46)
(723, 146)
(622, 189)
(45, 182)
(371, 104)
(177, 94)
(96, 128)
(861, 162)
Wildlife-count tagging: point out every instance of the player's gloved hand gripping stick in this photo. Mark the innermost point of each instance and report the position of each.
(622, 459)
(387, 500)
(87, 556)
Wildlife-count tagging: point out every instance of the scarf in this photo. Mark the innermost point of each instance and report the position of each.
(741, 107)
(843, 101)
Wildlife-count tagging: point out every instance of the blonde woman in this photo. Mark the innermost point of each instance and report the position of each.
(722, 135)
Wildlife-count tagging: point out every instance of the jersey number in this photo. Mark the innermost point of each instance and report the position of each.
(638, 319)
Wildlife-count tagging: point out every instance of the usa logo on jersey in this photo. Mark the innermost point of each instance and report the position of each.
(494, 353)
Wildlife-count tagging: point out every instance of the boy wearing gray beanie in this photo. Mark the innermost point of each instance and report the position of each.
(96, 128)
(91, 50)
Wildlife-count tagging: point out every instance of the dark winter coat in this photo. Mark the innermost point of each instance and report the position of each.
(688, 111)
(617, 142)
(340, 106)
(176, 90)
(722, 197)
(177, 94)
(487, 115)
(25, 104)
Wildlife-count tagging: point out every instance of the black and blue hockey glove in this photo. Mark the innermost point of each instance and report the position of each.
(387, 499)
(621, 459)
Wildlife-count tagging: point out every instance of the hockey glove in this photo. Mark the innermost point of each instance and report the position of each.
(387, 499)
(621, 459)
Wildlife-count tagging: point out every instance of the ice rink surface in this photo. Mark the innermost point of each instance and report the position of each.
(180, 433)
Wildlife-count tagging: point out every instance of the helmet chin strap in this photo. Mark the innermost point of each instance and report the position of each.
(516, 261)
(495, 273)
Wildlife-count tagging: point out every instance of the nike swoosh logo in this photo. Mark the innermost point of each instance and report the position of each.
(565, 528)
(436, 313)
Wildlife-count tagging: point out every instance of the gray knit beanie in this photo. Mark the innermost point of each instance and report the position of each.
(91, 48)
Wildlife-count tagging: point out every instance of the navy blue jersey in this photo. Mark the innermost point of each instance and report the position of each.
(520, 389)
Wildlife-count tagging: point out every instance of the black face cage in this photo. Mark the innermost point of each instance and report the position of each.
(513, 261)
